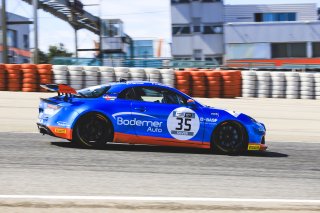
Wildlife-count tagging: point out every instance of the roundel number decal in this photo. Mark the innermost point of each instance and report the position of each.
(183, 123)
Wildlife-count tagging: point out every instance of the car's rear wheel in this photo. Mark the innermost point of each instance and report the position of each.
(93, 130)
(229, 138)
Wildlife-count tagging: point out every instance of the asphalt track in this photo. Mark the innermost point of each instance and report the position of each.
(113, 178)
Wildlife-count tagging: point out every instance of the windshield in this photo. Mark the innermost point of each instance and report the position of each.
(94, 92)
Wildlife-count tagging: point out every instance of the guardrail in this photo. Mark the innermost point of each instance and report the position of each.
(136, 62)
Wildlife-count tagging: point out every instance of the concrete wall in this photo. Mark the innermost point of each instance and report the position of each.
(272, 32)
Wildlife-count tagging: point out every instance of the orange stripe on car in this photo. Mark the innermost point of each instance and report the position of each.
(65, 133)
(133, 139)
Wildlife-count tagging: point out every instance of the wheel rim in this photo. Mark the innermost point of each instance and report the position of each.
(93, 130)
(229, 138)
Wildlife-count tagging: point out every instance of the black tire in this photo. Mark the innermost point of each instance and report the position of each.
(229, 138)
(93, 130)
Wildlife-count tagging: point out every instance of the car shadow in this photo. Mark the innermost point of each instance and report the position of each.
(167, 149)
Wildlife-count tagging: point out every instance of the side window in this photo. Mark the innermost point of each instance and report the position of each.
(157, 95)
(170, 97)
(148, 94)
(127, 94)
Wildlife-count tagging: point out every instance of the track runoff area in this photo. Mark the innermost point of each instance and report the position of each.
(286, 179)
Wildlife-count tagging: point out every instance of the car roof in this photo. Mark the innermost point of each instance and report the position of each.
(119, 86)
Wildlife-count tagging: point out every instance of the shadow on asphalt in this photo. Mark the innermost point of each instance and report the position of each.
(148, 148)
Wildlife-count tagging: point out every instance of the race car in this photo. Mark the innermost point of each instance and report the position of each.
(145, 113)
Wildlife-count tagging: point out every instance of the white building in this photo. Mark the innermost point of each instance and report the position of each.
(17, 40)
(248, 32)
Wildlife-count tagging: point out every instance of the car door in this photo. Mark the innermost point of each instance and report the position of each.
(122, 114)
(161, 115)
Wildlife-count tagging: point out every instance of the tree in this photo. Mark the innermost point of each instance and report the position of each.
(58, 51)
(54, 51)
(43, 58)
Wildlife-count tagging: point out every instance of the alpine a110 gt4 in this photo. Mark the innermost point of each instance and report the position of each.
(145, 113)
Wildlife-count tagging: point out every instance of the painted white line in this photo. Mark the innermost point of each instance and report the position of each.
(157, 199)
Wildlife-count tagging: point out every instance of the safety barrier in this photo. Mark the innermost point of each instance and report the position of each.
(3, 77)
(209, 83)
(290, 85)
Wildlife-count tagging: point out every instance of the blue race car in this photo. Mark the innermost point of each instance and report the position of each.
(145, 113)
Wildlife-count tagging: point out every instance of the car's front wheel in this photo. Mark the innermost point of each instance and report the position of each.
(93, 130)
(229, 138)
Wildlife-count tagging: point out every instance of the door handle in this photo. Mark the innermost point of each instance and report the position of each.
(141, 109)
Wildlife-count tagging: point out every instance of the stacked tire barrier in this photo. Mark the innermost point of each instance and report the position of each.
(137, 74)
(249, 84)
(292, 85)
(278, 81)
(122, 72)
(199, 86)
(153, 75)
(14, 75)
(213, 82)
(45, 74)
(183, 82)
(195, 82)
(60, 74)
(317, 85)
(76, 76)
(168, 77)
(91, 76)
(3, 78)
(263, 84)
(231, 84)
(307, 86)
(106, 75)
(30, 80)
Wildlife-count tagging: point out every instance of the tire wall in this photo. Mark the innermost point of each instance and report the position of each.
(206, 83)
(275, 84)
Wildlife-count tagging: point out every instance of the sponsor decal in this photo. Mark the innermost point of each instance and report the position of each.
(212, 119)
(110, 98)
(60, 131)
(131, 113)
(63, 123)
(254, 147)
(183, 123)
(151, 126)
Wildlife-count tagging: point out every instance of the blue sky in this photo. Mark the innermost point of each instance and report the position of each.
(142, 19)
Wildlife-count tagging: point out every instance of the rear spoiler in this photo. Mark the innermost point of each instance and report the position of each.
(61, 89)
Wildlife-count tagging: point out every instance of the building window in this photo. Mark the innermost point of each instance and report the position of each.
(212, 29)
(196, 29)
(196, 22)
(197, 55)
(181, 30)
(271, 17)
(316, 49)
(182, 58)
(26, 41)
(211, 0)
(12, 38)
(179, 1)
(289, 50)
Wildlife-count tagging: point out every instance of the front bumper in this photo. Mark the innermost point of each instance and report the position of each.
(258, 146)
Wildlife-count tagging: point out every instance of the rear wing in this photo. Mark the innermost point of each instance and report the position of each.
(61, 89)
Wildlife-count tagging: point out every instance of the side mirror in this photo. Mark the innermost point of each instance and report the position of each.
(191, 103)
